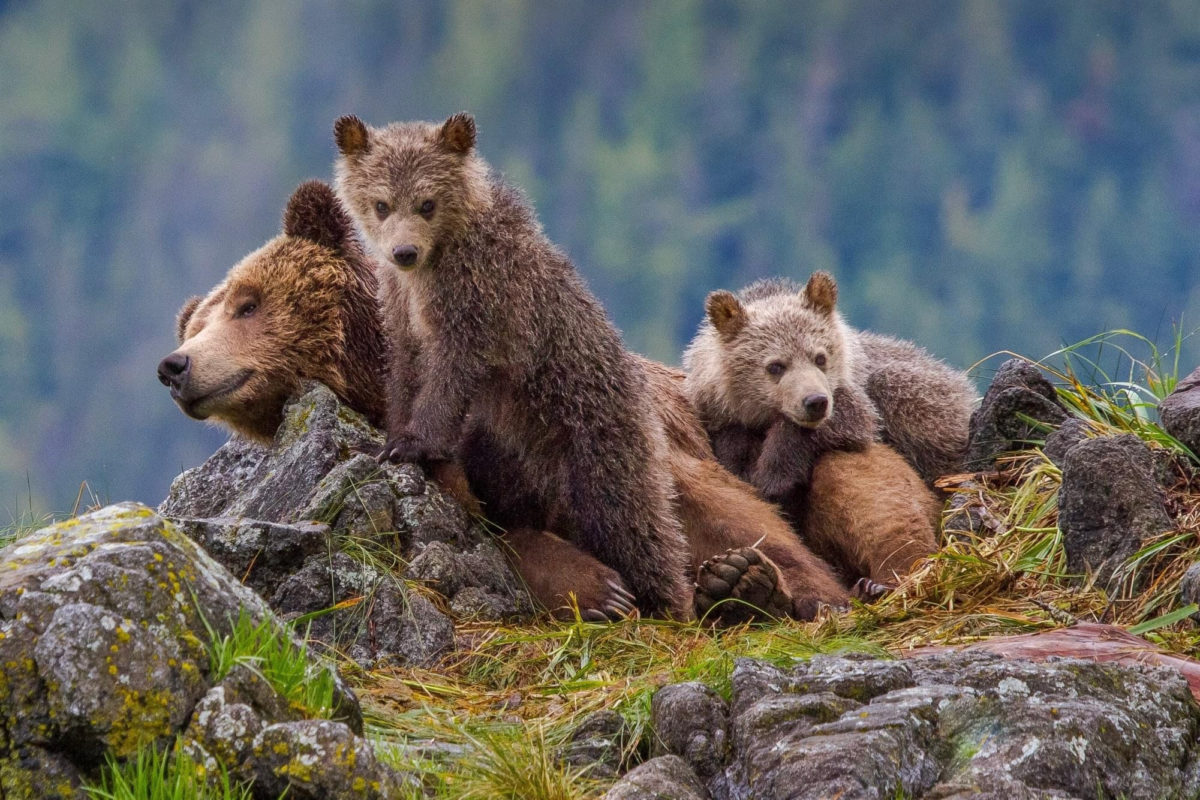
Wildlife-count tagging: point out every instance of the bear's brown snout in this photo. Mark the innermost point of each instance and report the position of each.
(174, 370)
(405, 255)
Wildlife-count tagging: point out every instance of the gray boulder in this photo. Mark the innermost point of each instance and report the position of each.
(690, 720)
(1179, 411)
(662, 778)
(999, 425)
(1110, 504)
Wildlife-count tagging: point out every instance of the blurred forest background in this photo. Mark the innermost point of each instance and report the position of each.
(978, 175)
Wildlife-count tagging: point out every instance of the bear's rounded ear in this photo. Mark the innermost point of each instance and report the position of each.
(314, 213)
(185, 316)
(821, 292)
(351, 136)
(725, 313)
(458, 133)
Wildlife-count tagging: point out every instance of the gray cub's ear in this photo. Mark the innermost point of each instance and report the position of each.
(458, 133)
(185, 316)
(314, 213)
(821, 292)
(351, 136)
(725, 313)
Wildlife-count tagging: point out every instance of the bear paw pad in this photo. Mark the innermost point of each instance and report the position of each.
(740, 585)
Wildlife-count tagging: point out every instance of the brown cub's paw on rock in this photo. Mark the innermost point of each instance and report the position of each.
(868, 590)
(740, 585)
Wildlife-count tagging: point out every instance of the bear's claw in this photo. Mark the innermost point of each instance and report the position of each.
(868, 590)
(747, 581)
(619, 604)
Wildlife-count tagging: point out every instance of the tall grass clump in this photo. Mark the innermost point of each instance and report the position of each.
(268, 648)
(169, 774)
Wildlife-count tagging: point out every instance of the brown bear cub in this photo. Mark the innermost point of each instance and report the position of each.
(779, 379)
(303, 307)
(496, 338)
(300, 307)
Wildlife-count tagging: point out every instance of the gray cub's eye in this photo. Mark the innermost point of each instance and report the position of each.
(246, 309)
(820, 360)
(776, 368)
(381, 209)
(427, 208)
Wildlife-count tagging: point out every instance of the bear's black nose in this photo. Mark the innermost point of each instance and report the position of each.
(173, 370)
(815, 406)
(405, 255)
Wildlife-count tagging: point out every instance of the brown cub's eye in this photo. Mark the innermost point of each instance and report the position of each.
(776, 368)
(820, 360)
(246, 309)
(427, 207)
(381, 209)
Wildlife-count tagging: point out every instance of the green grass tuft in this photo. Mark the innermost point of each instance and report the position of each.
(164, 775)
(269, 649)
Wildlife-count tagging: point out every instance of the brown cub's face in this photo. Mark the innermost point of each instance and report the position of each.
(408, 186)
(784, 355)
(273, 321)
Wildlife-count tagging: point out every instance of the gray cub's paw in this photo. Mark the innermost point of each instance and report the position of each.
(740, 585)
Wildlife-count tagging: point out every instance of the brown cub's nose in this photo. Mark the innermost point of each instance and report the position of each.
(174, 369)
(815, 406)
(405, 255)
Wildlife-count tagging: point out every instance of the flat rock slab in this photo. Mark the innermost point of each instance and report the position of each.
(948, 725)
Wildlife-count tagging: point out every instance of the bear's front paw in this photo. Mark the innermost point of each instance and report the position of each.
(408, 448)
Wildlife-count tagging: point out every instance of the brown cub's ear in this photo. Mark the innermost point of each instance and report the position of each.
(185, 316)
(458, 133)
(351, 136)
(821, 292)
(725, 313)
(314, 213)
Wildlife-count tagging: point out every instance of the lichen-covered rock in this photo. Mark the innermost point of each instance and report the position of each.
(999, 425)
(950, 725)
(1110, 504)
(388, 624)
(1059, 442)
(477, 578)
(662, 778)
(691, 721)
(317, 759)
(105, 623)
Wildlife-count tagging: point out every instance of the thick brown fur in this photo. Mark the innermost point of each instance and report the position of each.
(300, 307)
(869, 514)
(500, 342)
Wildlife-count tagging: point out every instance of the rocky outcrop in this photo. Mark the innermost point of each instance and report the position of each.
(954, 725)
(106, 626)
(314, 522)
(1019, 393)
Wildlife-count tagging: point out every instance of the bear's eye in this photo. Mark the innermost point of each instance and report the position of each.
(426, 209)
(381, 209)
(246, 309)
(820, 360)
(776, 368)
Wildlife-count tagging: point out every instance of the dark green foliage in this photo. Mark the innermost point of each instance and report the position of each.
(978, 176)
